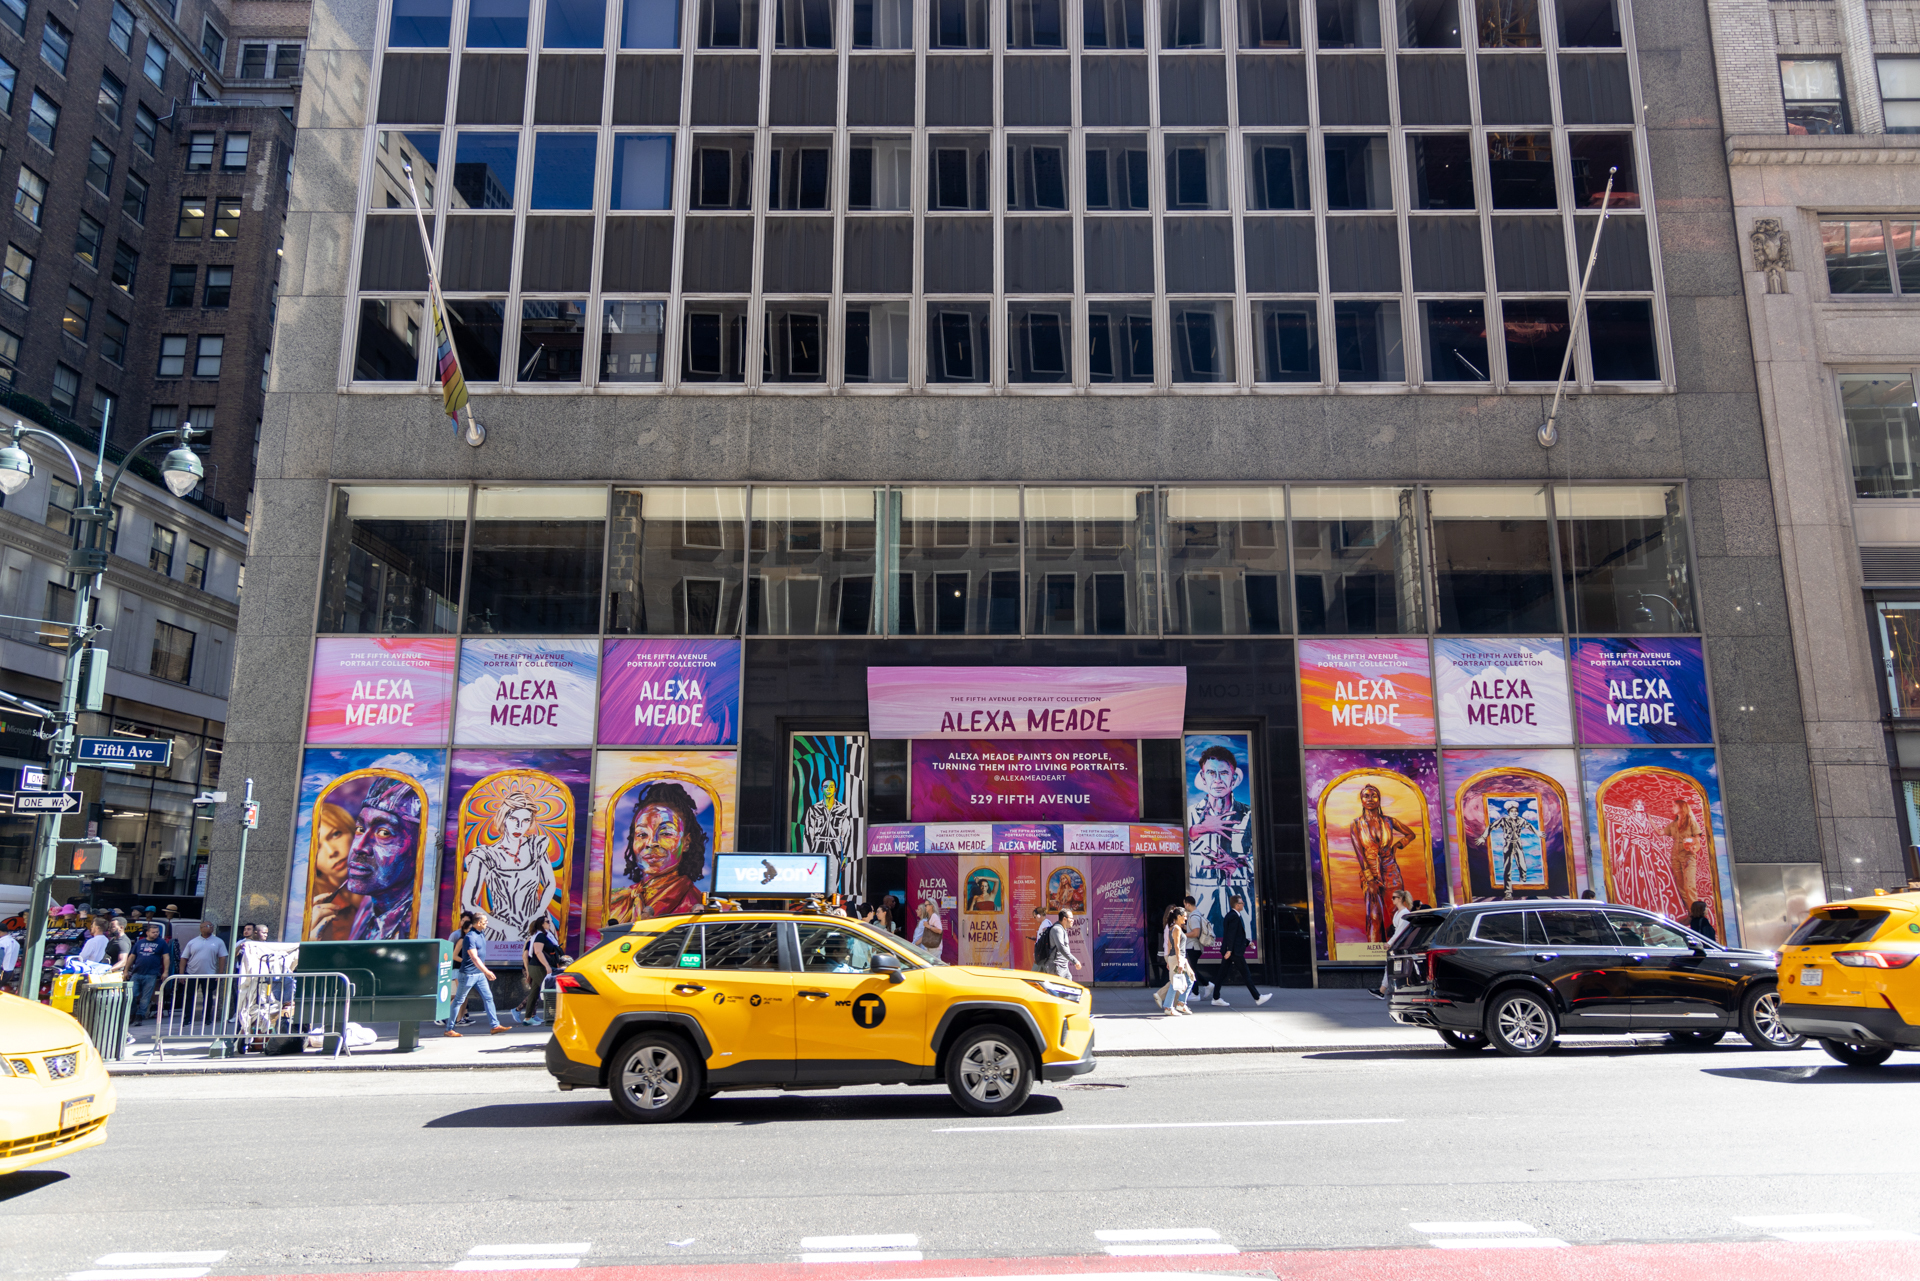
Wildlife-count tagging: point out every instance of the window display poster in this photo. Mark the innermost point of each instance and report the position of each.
(1514, 823)
(1220, 831)
(670, 693)
(985, 900)
(1641, 690)
(1066, 883)
(827, 794)
(365, 849)
(659, 817)
(1026, 702)
(1024, 897)
(1502, 692)
(1366, 693)
(889, 839)
(1118, 908)
(527, 692)
(381, 690)
(934, 878)
(1034, 779)
(1026, 838)
(1371, 834)
(1659, 838)
(515, 836)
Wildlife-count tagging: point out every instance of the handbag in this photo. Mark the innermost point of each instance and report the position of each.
(1179, 982)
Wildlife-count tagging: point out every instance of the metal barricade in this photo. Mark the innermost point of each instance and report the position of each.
(238, 1009)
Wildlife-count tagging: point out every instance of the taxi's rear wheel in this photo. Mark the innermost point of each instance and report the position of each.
(1857, 1055)
(1760, 1021)
(655, 1076)
(990, 1071)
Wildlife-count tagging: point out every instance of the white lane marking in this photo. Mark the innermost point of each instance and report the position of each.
(552, 1251)
(884, 1241)
(1782, 1222)
(511, 1265)
(150, 1258)
(1456, 1229)
(1847, 1234)
(1173, 1125)
(863, 1256)
(138, 1274)
(1172, 1248)
(1499, 1243)
(1156, 1234)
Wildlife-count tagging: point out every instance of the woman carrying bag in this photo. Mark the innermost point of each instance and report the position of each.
(927, 934)
(1173, 939)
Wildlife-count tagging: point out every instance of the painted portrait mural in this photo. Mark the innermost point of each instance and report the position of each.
(1372, 833)
(365, 861)
(1220, 828)
(1659, 836)
(1514, 824)
(659, 819)
(516, 819)
(827, 794)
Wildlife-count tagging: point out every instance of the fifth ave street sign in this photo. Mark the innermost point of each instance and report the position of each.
(125, 753)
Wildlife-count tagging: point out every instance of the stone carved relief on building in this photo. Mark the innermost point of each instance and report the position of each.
(1772, 252)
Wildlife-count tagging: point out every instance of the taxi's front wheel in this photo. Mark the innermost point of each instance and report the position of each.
(655, 1077)
(990, 1071)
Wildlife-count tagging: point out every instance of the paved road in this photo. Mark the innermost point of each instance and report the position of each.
(1169, 1163)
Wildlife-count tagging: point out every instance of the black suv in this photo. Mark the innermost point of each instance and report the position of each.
(1519, 972)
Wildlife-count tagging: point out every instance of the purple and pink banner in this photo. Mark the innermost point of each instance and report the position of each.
(1641, 692)
(670, 693)
(1026, 702)
(1031, 779)
(381, 691)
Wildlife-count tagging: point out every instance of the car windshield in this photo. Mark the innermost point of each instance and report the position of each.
(1838, 925)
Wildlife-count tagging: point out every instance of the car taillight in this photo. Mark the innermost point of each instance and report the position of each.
(1433, 952)
(1875, 960)
(567, 981)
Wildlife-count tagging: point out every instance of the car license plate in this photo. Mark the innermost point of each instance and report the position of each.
(76, 1111)
(1809, 977)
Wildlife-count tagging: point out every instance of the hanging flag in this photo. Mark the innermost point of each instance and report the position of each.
(453, 387)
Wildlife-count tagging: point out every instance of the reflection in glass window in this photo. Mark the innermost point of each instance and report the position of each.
(642, 171)
(1202, 341)
(1592, 157)
(675, 561)
(713, 348)
(960, 24)
(387, 346)
(959, 343)
(1196, 171)
(574, 24)
(1040, 342)
(1535, 330)
(1590, 24)
(957, 171)
(1883, 434)
(1509, 24)
(799, 172)
(1620, 340)
(1369, 346)
(1428, 24)
(484, 168)
(722, 172)
(1226, 561)
(649, 24)
(1277, 172)
(1189, 24)
(803, 24)
(1119, 341)
(954, 556)
(1440, 171)
(1113, 24)
(1348, 24)
(1453, 340)
(1037, 172)
(1856, 254)
(812, 559)
(1900, 94)
(497, 24)
(536, 560)
(562, 170)
(883, 24)
(393, 560)
(419, 24)
(632, 342)
(880, 173)
(1623, 558)
(1356, 561)
(1269, 24)
(1357, 176)
(1287, 341)
(793, 347)
(729, 24)
(1091, 561)
(478, 326)
(1117, 176)
(1900, 649)
(1035, 24)
(1520, 170)
(1491, 568)
(1810, 90)
(878, 341)
(553, 340)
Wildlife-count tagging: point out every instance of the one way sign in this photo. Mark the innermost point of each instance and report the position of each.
(47, 802)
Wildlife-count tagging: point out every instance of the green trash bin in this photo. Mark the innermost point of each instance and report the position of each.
(104, 1008)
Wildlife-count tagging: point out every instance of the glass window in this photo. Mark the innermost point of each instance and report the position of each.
(1369, 346)
(1883, 434)
(1520, 171)
(803, 24)
(649, 24)
(1114, 24)
(1091, 562)
(563, 170)
(1509, 24)
(172, 653)
(1348, 24)
(743, 945)
(955, 557)
(1428, 24)
(219, 286)
(1491, 567)
(10, 359)
(207, 356)
(793, 342)
(1440, 171)
(1811, 92)
(553, 340)
(484, 169)
(105, 406)
(99, 168)
(632, 342)
(233, 154)
(1035, 24)
(1226, 561)
(1535, 333)
(155, 63)
(1287, 341)
(160, 551)
(713, 348)
(1900, 652)
(393, 559)
(575, 24)
(287, 59)
(79, 313)
(119, 25)
(1037, 172)
(959, 24)
(197, 556)
(66, 389)
(213, 45)
(883, 24)
(253, 57)
(1575, 927)
(1277, 172)
(43, 117)
(880, 173)
(959, 343)
(677, 558)
(478, 326)
(813, 562)
(113, 97)
(226, 219)
(133, 198)
(1119, 341)
(1589, 24)
(17, 275)
(1593, 158)
(8, 77)
(1856, 254)
(1453, 340)
(56, 43)
(388, 342)
(729, 24)
(1040, 341)
(1189, 24)
(1357, 172)
(173, 356)
(957, 175)
(827, 949)
(1117, 174)
(192, 224)
(497, 24)
(1269, 24)
(1900, 94)
(1623, 558)
(1203, 346)
(536, 560)
(1620, 340)
(29, 195)
(1636, 931)
(799, 171)
(878, 341)
(1196, 171)
(180, 282)
(1356, 561)
(113, 338)
(642, 171)
(417, 24)
(145, 128)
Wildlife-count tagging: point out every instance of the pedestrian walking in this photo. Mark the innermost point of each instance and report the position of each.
(928, 934)
(1173, 939)
(1699, 922)
(1196, 946)
(543, 959)
(1062, 962)
(1234, 937)
(1402, 909)
(9, 958)
(152, 962)
(95, 948)
(474, 973)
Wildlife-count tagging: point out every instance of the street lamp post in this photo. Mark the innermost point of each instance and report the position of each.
(87, 562)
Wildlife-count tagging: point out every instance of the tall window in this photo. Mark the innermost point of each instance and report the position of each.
(56, 43)
(226, 219)
(160, 551)
(173, 356)
(213, 45)
(87, 236)
(43, 117)
(219, 286)
(78, 315)
(193, 218)
(17, 275)
(99, 168)
(126, 266)
(200, 151)
(1900, 94)
(172, 654)
(13, 14)
(1883, 434)
(253, 62)
(197, 557)
(65, 396)
(233, 156)
(113, 338)
(113, 97)
(133, 198)
(146, 127)
(1811, 89)
(29, 195)
(206, 357)
(180, 282)
(119, 27)
(155, 63)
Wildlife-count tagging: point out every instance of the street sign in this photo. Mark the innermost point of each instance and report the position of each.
(125, 753)
(93, 856)
(47, 802)
(33, 778)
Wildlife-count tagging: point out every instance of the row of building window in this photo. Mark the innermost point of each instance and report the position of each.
(1026, 24)
(1813, 91)
(1007, 559)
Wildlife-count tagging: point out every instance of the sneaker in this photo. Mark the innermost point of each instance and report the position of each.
(1263, 998)
(1221, 1000)
(1181, 1009)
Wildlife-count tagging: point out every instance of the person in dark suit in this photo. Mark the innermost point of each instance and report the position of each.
(1233, 953)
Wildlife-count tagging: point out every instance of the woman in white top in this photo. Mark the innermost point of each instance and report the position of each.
(927, 933)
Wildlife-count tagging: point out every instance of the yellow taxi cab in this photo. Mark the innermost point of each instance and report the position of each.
(1848, 978)
(679, 1008)
(55, 1095)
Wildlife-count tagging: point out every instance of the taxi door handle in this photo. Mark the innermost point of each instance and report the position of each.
(1546, 956)
(1636, 956)
(687, 989)
(821, 995)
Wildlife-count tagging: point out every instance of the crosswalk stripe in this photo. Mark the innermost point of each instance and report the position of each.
(1457, 1229)
(511, 1265)
(1499, 1243)
(565, 1247)
(1156, 1234)
(138, 1274)
(863, 1256)
(147, 1258)
(1172, 1248)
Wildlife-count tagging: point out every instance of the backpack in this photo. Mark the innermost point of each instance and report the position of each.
(1043, 947)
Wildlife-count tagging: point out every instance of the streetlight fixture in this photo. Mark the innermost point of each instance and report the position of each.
(87, 561)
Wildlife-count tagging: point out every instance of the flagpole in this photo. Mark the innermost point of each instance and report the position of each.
(473, 433)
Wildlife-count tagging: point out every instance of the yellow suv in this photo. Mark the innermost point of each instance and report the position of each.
(1848, 978)
(679, 1008)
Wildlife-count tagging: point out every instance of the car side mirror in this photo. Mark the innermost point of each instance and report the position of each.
(886, 963)
(1699, 948)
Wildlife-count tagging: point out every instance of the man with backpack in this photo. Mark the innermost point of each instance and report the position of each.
(1042, 938)
(474, 974)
